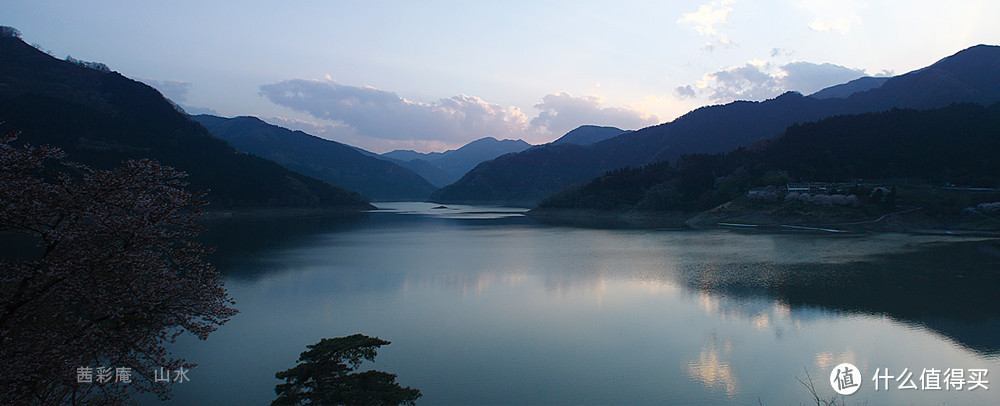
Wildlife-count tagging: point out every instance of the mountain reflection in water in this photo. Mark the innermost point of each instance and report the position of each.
(484, 306)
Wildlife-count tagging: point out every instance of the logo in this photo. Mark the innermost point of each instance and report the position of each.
(845, 379)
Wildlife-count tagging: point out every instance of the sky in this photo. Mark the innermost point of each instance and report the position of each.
(434, 75)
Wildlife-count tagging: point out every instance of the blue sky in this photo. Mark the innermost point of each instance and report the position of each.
(435, 75)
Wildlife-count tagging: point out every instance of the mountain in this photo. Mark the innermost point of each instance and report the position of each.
(431, 173)
(844, 90)
(915, 149)
(526, 177)
(589, 134)
(436, 176)
(409, 155)
(517, 179)
(330, 161)
(968, 76)
(457, 162)
(101, 118)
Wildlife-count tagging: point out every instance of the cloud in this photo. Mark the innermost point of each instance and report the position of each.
(776, 52)
(559, 113)
(707, 16)
(751, 81)
(841, 25)
(834, 15)
(809, 78)
(375, 118)
(347, 135)
(759, 80)
(382, 114)
(310, 127)
(175, 90)
(686, 92)
(705, 20)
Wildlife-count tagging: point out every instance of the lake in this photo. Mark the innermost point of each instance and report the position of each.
(485, 306)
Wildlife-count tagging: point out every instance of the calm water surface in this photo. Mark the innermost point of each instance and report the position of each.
(483, 306)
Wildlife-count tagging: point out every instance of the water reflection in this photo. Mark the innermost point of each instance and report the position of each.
(946, 285)
(240, 242)
(950, 288)
(825, 360)
(483, 306)
(711, 370)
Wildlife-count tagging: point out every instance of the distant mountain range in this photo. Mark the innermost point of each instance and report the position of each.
(918, 148)
(101, 118)
(452, 164)
(326, 160)
(524, 178)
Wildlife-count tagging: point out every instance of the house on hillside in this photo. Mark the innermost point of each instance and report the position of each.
(811, 188)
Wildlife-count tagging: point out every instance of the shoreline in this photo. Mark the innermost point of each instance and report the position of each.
(211, 215)
(592, 218)
(905, 221)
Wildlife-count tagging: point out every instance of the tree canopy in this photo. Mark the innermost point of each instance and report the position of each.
(324, 376)
(116, 276)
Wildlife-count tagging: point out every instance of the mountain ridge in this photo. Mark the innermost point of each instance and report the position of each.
(845, 90)
(966, 76)
(323, 159)
(101, 118)
(952, 145)
(589, 134)
(456, 162)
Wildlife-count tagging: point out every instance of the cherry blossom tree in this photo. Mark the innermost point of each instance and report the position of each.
(117, 275)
